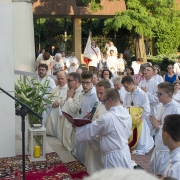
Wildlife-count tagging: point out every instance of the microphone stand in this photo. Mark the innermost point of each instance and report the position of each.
(23, 111)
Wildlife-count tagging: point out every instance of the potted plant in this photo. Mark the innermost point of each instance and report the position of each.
(34, 94)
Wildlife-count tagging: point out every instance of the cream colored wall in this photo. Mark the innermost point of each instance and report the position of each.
(7, 120)
(24, 53)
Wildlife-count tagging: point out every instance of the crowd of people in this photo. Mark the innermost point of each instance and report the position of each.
(132, 110)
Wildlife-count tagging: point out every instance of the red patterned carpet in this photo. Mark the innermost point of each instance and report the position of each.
(51, 169)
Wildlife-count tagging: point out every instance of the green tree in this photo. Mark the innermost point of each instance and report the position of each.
(150, 18)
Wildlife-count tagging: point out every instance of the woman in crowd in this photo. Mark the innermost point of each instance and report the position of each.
(157, 75)
(107, 75)
(129, 72)
(176, 95)
(140, 76)
(170, 76)
(58, 64)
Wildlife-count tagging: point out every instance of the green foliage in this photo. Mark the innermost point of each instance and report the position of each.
(35, 95)
(151, 18)
(163, 60)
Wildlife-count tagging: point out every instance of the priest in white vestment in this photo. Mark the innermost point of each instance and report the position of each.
(112, 47)
(138, 98)
(44, 78)
(114, 129)
(65, 61)
(149, 86)
(71, 107)
(112, 63)
(88, 99)
(74, 63)
(171, 138)
(93, 156)
(54, 122)
(95, 56)
(160, 155)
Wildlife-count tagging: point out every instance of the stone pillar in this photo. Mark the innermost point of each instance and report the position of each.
(77, 38)
(7, 110)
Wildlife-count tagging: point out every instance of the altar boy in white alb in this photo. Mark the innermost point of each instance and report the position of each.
(171, 138)
(160, 155)
(137, 97)
(87, 101)
(114, 129)
(149, 86)
(93, 156)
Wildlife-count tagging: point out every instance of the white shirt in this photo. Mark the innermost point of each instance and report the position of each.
(95, 56)
(140, 99)
(151, 87)
(173, 168)
(176, 96)
(114, 129)
(177, 68)
(57, 66)
(121, 64)
(160, 156)
(112, 48)
(158, 78)
(122, 93)
(73, 59)
(136, 67)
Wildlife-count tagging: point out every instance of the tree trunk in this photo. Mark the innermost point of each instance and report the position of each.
(139, 46)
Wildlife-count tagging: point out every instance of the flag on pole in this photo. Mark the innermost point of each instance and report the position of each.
(87, 52)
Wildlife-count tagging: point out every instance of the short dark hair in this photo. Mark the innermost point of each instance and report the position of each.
(127, 79)
(132, 70)
(167, 87)
(110, 73)
(43, 66)
(46, 56)
(113, 94)
(76, 76)
(172, 126)
(86, 75)
(106, 84)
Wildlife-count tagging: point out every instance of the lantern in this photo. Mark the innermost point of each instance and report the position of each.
(37, 140)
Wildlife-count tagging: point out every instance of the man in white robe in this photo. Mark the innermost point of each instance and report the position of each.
(160, 155)
(65, 61)
(171, 138)
(71, 107)
(137, 97)
(95, 56)
(112, 63)
(114, 129)
(87, 99)
(112, 47)
(74, 63)
(42, 72)
(149, 86)
(93, 156)
(54, 122)
(119, 87)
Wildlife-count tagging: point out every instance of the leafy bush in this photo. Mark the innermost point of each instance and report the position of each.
(33, 94)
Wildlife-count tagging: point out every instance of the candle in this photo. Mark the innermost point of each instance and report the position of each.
(37, 152)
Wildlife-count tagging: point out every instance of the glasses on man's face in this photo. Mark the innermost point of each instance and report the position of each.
(103, 101)
(161, 94)
(86, 83)
(69, 80)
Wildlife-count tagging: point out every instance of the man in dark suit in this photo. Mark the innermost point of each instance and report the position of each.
(52, 51)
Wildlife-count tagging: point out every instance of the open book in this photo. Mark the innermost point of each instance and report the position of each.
(77, 121)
